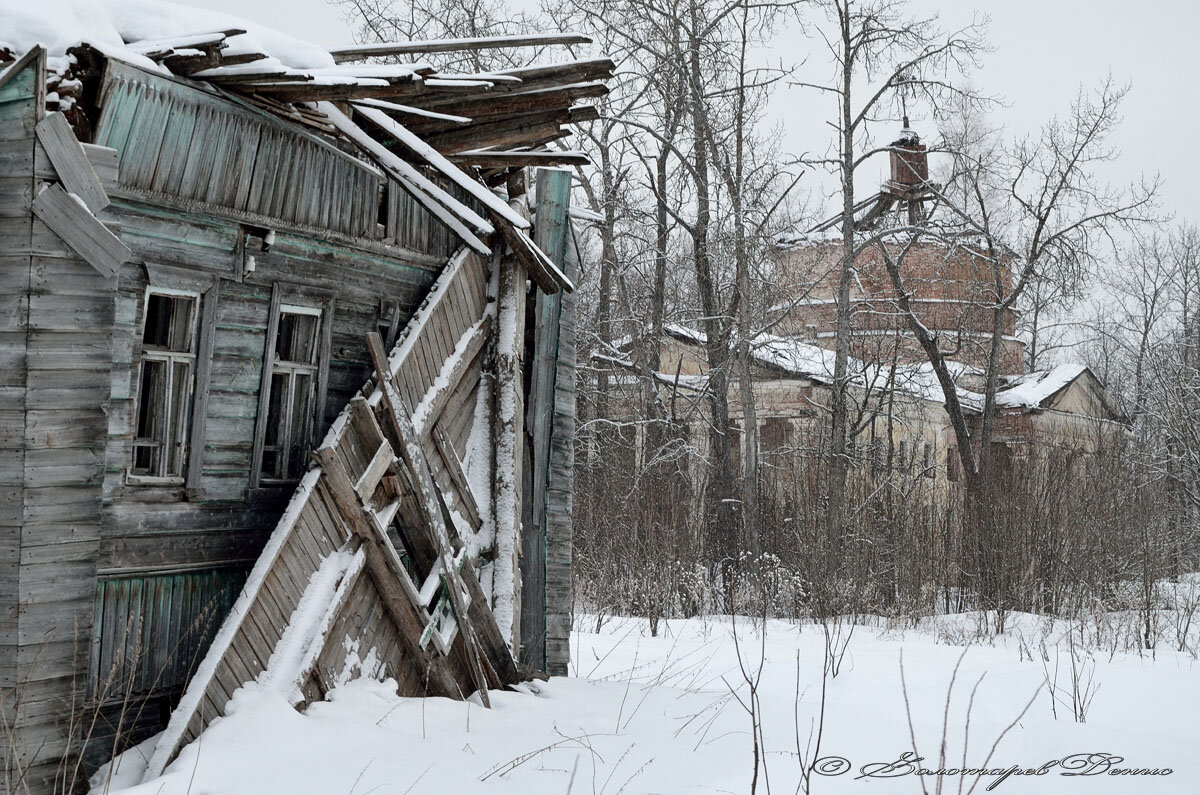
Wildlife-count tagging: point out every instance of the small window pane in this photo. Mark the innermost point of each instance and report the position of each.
(272, 466)
(297, 338)
(301, 422)
(151, 427)
(181, 400)
(169, 322)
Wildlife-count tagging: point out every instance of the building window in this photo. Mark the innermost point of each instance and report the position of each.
(165, 384)
(776, 435)
(292, 401)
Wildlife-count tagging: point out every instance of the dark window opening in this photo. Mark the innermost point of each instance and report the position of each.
(165, 386)
(293, 388)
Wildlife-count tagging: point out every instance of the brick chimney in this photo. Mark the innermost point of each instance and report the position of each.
(910, 170)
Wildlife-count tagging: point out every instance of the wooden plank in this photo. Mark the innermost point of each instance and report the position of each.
(559, 521)
(104, 162)
(550, 235)
(363, 51)
(70, 161)
(264, 391)
(418, 469)
(380, 463)
(519, 159)
(466, 498)
(388, 574)
(72, 222)
(199, 418)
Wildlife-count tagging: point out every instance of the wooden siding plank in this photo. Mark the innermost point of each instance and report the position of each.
(70, 162)
(81, 230)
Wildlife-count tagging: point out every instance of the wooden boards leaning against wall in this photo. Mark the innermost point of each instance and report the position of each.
(368, 556)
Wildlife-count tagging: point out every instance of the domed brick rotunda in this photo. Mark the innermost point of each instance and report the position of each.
(953, 284)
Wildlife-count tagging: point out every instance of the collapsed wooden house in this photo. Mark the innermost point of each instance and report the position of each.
(212, 471)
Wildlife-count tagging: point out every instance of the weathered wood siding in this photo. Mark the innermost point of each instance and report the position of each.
(559, 498)
(551, 230)
(57, 330)
(149, 631)
(179, 142)
(219, 520)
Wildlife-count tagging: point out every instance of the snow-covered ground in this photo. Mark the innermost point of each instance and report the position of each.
(659, 714)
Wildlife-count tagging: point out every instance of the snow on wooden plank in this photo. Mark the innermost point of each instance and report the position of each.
(438, 161)
(437, 294)
(362, 51)
(487, 77)
(446, 206)
(157, 48)
(69, 218)
(467, 347)
(438, 82)
(70, 161)
(172, 737)
(309, 623)
(488, 158)
(384, 71)
(548, 277)
(409, 110)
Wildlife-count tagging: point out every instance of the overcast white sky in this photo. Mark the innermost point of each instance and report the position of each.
(1044, 50)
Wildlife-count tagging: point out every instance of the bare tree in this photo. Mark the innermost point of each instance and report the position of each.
(1036, 209)
(896, 55)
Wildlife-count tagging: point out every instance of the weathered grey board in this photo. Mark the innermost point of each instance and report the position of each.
(104, 162)
(81, 230)
(71, 164)
(559, 523)
(550, 234)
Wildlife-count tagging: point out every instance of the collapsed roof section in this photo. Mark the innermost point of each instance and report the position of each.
(446, 139)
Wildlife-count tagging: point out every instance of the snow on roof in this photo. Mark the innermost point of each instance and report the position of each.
(1033, 389)
(796, 357)
(793, 356)
(678, 330)
(109, 24)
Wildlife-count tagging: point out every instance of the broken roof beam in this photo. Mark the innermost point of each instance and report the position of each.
(157, 49)
(489, 108)
(541, 269)
(393, 109)
(445, 207)
(513, 132)
(428, 153)
(326, 90)
(187, 65)
(533, 78)
(362, 51)
(519, 159)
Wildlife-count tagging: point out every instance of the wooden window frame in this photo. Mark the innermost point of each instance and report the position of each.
(169, 280)
(170, 360)
(296, 299)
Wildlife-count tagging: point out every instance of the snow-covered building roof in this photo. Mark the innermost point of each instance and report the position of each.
(1033, 391)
